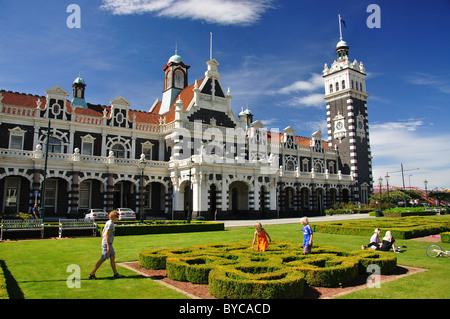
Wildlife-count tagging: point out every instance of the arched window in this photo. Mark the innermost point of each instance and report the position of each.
(290, 166)
(179, 79)
(331, 168)
(119, 150)
(343, 84)
(361, 88)
(337, 86)
(168, 79)
(331, 88)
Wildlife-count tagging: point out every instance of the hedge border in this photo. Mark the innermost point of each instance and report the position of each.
(445, 237)
(124, 229)
(401, 228)
(3, 289)
(232, 283)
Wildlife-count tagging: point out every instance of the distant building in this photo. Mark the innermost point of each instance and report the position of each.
(190, 152)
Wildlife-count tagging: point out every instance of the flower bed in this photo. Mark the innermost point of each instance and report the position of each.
(236, 271)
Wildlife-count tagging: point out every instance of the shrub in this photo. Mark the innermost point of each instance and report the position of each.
(3, 291)
(133, 228)
(266, 283)
(445, 237)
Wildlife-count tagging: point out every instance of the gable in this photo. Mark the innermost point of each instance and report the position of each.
(207, 88)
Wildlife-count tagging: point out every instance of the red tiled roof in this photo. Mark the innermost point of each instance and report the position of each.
(299, 140)
(21, 99)
(186, 95)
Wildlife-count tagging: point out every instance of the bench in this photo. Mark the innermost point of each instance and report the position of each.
(76, 224)
(22, 225)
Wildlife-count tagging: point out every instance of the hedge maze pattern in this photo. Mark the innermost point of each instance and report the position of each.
(234, 271)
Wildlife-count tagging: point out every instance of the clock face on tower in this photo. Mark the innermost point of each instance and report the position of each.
(360, 125)
(339, 125)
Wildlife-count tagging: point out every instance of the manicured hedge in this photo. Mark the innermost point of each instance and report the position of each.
(3, 291)
(445, 237)
(401, 228)
(266, 283)
(125, 229)
(236, 271)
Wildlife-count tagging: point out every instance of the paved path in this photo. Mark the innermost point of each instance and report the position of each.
(277, 221)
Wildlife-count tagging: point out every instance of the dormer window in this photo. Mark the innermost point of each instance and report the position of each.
(56, 109)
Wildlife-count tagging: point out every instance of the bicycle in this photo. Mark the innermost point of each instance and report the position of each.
(436, 251)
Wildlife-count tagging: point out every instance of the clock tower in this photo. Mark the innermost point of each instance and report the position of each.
(347, 121)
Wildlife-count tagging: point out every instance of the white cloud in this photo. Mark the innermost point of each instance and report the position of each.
(224, 12)
(311, 100)
(424, 79)
(409, 143)
(314, 83)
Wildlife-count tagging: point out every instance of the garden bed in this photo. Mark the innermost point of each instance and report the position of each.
(197, 291)
(235, 271)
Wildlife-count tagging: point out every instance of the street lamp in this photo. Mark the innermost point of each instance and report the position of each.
(387, 185)
(42, 207)
(142, 164)
(426, 192)
(189, 199)
(380, 180)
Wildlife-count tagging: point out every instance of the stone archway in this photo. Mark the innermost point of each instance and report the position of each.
(238, 199)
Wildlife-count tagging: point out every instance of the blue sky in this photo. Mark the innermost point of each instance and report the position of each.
(265, 49)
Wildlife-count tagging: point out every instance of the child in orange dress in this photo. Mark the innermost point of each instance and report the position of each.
(262, 236)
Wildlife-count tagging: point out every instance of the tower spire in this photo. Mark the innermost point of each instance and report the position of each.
(340, 27)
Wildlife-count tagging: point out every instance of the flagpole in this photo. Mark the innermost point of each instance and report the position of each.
(340, 27)
(210, 46)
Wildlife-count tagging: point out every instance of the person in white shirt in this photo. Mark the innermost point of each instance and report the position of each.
(107, 246)
(374, 240)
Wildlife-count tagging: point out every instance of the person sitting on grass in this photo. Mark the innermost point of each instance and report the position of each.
(374, 240)
(107, 246)
(387, 243)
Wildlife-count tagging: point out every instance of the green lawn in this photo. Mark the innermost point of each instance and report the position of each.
(39, 267)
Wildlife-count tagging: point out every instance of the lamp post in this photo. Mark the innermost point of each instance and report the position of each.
(189, 199)
(142, 164)
(42, 207)
(426, 192)
(387, 185)
(380, 180)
